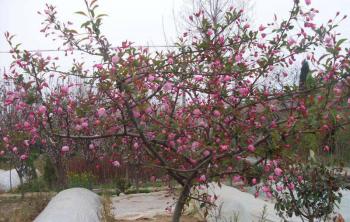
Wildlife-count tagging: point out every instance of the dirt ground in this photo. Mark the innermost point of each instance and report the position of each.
(163, 219)
(14, 209)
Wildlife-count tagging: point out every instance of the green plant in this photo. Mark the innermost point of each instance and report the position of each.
(86, 180)
(122, 184)
(34, 185)
(309, 191)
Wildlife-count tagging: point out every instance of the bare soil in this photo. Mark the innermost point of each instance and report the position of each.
(163, 219)
(14, 209)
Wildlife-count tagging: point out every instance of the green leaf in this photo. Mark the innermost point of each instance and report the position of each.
(101, 15)
(80, 13)
(341, 41)
(85, 24)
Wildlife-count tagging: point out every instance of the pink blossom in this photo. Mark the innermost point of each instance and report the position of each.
(206, 153)
(226, 78)
(210, 32)
(78, 127)
(238, 58)
(64, 90)
(168, 86)
(265, 189)
(116, 163)
(202, 178)
(278, 171)
(262, 28)
(308, 2)
(197, 112)
(254, 181)
(309, 25)
(291, 41)
(217, 113)
(85, 125)
(136, 114)
(14, 149)
(136, 145)
(349, 101)
(300, 179)
(195, 145)
(170, 60)
(224, 148)
(151, 78)
(26, 124)
(6, 139)
(23, 157)
(326, 148)
(101, 112)
(26, 143)
(42, 109)
(59, 110)
(279, 188)
(251, 147)
(244, 91)
(271, 178)
(198, 78)
(236, 178)
(256, 194)
(291, 186)
(91, 146)
(99, 66)
(115, 59)
(65, 148)
(2, 153)
(221, 39)
(268, 194)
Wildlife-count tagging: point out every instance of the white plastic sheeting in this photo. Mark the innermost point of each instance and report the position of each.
(344, 206)
(234, 203)
(143, 205)
(72, 205)
(9, 178)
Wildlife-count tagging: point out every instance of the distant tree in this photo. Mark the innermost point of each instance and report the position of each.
(303, 75)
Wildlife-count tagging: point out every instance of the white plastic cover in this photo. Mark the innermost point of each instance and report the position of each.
(143, 205)
(72, 205)
(9, 178)
(233, 203)
(344, 206)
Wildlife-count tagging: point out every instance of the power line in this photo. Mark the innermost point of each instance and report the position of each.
(63, 50)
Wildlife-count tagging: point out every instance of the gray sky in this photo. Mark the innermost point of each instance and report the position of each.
(140, 21)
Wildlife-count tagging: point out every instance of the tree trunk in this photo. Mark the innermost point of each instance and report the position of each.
(22, 188)
(181, 202)
(137, 182)
(61, 174)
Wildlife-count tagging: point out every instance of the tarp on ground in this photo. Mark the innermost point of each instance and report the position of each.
(8, 179)
(234, 204)
(72, 205)
(142, 205)
(344, 206)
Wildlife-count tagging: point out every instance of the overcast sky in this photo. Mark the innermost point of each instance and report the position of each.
(145, 22)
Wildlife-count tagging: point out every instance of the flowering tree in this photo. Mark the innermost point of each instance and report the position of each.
(198, 112)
